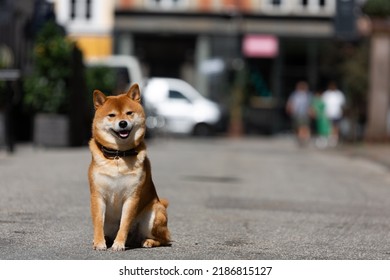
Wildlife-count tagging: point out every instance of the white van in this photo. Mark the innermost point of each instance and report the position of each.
(179, 108)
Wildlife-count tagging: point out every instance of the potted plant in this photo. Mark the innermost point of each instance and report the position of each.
(46, 90)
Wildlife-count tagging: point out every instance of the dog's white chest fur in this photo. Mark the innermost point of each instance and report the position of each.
(117, 175)
(116, 184)
(121, 186)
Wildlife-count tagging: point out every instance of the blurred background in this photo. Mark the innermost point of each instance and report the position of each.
(206, 67)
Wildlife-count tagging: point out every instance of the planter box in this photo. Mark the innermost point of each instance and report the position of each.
(51, 130)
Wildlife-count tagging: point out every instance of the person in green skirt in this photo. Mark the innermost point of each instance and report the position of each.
(322, 123)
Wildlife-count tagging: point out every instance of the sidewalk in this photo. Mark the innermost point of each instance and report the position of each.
(379, 153)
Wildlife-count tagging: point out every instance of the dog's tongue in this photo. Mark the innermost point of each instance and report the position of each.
(124, 133)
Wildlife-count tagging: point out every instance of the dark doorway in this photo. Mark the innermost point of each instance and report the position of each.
(164, 54)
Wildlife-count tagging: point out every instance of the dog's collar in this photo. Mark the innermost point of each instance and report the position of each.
(115, 154)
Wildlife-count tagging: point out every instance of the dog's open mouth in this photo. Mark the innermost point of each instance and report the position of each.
(123, 134)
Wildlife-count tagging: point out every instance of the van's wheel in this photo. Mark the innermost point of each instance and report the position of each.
(203, 130)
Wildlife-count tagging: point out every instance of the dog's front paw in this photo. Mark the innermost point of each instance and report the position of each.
(100, 246)
(118, 246)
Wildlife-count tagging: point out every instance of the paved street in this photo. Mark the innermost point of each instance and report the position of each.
(256, 198)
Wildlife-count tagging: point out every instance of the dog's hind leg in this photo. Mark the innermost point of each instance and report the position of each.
(149, 243)
(159, 233)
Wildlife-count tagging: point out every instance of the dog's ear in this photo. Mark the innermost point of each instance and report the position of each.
(98, 98)
(134, 93)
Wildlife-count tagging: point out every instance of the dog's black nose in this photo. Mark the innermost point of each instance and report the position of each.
(122, 124)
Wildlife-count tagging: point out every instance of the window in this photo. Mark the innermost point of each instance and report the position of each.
(80, 9)
(276, 5)
(316, 6)
(88, 9)
(304, 2)
(167, 4)
(73, 9)
(173, 94)
(276, 2)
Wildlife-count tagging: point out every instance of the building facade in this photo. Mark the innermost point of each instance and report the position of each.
(264, 46)
(89, 23)
(273, 43)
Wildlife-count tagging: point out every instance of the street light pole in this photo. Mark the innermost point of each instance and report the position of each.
(237, 64)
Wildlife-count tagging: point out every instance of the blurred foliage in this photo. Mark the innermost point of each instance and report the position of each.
(355, 72)
(377, 8)
(46, 87)
(101, 78)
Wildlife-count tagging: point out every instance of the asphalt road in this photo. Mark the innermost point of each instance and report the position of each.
(229, 199)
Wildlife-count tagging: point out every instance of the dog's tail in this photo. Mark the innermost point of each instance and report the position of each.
(164, 202)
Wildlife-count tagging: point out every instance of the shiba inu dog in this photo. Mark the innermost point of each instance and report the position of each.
(125, 207)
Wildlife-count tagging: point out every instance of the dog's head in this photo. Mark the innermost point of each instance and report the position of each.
(119, 121)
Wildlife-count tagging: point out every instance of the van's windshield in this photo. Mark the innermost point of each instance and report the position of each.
(123, 79)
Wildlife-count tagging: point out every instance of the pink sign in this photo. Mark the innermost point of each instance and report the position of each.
(266, 46)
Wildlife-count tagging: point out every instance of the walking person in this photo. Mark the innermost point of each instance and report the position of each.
(298, 105)
(322, 123)
(334, 104)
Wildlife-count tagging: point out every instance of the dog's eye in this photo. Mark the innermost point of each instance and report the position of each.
(129, 113)
(111, 115)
